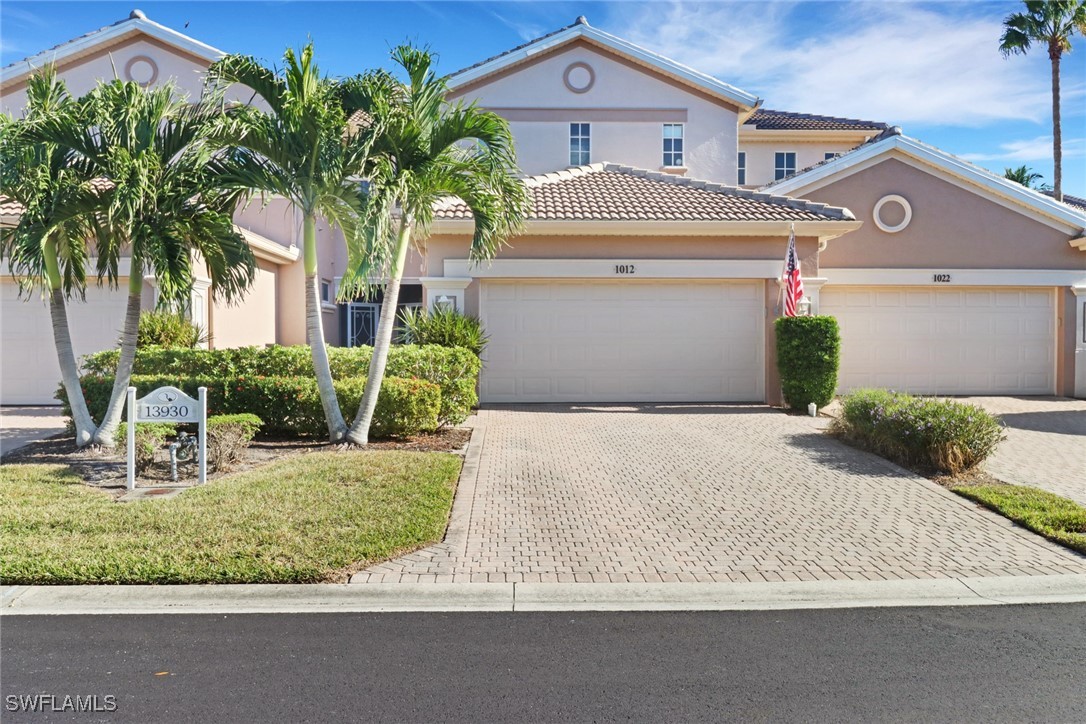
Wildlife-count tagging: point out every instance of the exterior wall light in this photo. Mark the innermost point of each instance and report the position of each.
(445, 302)
(803, 307)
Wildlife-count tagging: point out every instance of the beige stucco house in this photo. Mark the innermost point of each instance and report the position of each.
(663, 199)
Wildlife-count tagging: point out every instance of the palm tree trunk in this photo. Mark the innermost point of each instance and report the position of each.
(112, 419)
(314, 326)
(1057, 132)
(359, 433)
(62, 338)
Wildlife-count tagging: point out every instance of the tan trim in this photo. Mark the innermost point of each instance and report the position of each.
(267, 249)
(1079, 243)
(818, 229)
(613, 115)
(582, 43)
(17, 82)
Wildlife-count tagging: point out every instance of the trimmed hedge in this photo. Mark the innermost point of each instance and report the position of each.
(919, 432)
(808, 355)
(289, 405)
(454, 370)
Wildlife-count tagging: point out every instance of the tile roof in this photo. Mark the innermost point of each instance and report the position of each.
(769, 120)
(610, 192)
(10, 207)
(887, 133)
(1078, 203)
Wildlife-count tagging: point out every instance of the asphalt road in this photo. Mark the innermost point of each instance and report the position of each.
(1009, 663)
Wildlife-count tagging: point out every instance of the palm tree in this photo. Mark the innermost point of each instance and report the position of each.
(1052, 23)
(304, 149)
(1025, 176)
(47, 248)
(426, 149)
(163, 203)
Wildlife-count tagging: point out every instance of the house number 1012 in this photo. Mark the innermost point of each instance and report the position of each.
(625, 269)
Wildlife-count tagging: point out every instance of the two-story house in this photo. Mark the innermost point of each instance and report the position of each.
(662, 202)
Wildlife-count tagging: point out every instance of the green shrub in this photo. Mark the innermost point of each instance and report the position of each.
(443, 327)
(290, 405)
(168, 329)
(919, 432)
(150, 437)
(454, 370)
(228, 436)
(808, 355)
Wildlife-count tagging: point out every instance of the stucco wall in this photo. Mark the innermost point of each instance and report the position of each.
(543, 145)
(621, 248)
(253, 321)
(761, 156)
(951, 228)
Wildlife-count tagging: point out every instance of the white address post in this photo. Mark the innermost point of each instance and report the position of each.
(167, 404)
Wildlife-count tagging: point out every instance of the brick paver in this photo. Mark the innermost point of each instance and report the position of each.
(1045, 445)
(703, 493)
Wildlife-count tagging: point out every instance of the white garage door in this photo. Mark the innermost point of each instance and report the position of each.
(926, 340)
(29, 372)
(629, 341)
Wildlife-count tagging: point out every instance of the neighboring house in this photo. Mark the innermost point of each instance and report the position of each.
(646, 273)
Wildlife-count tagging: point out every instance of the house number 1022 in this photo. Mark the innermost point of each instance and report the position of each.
(625, 269)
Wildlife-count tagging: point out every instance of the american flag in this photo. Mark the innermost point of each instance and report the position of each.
(791, 281)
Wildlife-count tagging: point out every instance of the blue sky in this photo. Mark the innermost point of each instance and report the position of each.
(932, 68)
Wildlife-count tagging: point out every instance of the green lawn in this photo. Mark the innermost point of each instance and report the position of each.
(1056, 518)
(305, 519)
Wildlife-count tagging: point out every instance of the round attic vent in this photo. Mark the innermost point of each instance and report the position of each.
(892, 213)
(579, 77)
(142, 70)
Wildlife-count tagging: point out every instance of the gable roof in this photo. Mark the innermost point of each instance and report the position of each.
(580, 29)
(610, 192)
(135, 24)
(892, 141)
(765, 119)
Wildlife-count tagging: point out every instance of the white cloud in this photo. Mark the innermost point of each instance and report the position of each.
(896, 62)
(1031, 149)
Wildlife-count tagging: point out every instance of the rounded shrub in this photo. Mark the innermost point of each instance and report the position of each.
(808, 356)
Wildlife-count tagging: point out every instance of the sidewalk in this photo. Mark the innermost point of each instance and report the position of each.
(523, 597)
(21, 426)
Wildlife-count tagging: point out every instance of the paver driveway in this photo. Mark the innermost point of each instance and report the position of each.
(703, 493)
(1045, 445)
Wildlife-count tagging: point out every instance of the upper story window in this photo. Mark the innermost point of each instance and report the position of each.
(742, 168)
(784, 165)
(326, 291)
(830, 154)
(580, 144)
(673, 144)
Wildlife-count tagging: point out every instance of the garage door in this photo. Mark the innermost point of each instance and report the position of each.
(643, 341)
(945, 341)
(29, 373)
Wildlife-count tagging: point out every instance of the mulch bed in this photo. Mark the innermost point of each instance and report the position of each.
(106, 470)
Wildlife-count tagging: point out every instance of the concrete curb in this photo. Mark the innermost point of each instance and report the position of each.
(524, 597)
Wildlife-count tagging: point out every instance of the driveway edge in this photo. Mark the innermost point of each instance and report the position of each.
(527, 597)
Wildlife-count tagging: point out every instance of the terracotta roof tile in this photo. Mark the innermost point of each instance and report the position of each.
(766, 119)
(610, 192)
(1070, 200)
(10, 207)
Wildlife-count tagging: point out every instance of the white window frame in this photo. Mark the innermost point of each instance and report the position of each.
(681, 153)
(783, 170)
(829, 155)
(587, 154)
(741, 169)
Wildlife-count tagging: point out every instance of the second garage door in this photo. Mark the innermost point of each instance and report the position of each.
(970, 340)
(629, 341)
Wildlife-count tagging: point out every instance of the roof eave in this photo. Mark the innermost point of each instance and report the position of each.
(745, 101)
(823, 230)
(79, 46)
(1060, 214)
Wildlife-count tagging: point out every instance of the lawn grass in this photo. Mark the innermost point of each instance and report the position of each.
(305, 519)
(1056, 518)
